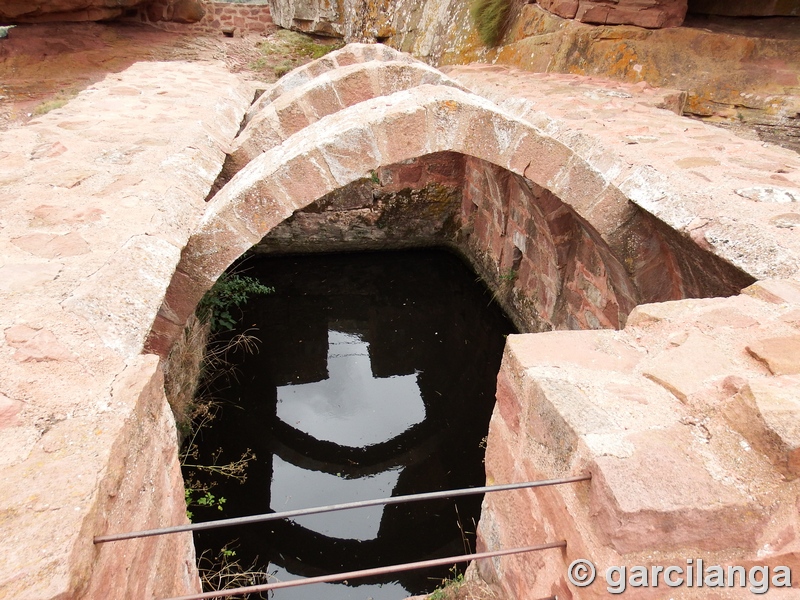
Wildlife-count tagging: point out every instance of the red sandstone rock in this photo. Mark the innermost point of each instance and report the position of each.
(87, 439)
(324, 95)
(652, 14)
(675, 471)
(63, 10)
(35, 345)
(178, 11)
(689, 367)
(781, 355)
(8, 411)
(53, 246)
(766, 412)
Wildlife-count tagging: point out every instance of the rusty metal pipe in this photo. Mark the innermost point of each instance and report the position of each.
(334, 507)
(253, 589)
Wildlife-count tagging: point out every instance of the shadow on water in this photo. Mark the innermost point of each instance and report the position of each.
(375, 377)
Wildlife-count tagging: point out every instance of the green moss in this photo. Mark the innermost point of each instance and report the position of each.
(491, 18)
(285, 42)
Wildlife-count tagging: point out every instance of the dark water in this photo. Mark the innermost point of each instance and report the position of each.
(375, 378)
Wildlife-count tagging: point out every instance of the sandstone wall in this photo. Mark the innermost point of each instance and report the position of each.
(671, 417)
(213, 17)
(98, 198)
(21, 11)
(552, 270)
(643, 13)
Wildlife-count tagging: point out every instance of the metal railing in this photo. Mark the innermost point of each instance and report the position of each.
(254, 589)
(274, 516)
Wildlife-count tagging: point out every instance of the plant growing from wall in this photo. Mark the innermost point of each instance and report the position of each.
(196, 361)
(449, 587)
(225, 572)
(492, 18)
(228, 293)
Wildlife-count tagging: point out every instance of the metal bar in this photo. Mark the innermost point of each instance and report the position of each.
(334, 507)
(368, 572)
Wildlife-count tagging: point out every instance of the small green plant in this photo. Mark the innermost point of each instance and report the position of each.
(491, 18)
(283, 67)
(46, 107)
(228, 293)
(225, 572)
(373, 176)
(448, 587)
(258, 64)
(207, 499)
(509, 275)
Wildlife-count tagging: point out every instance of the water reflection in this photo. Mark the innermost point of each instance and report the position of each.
(293, 487)
(352, 407)
(375, 378)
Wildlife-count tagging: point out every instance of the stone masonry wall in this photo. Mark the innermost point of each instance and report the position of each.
(225, 17)
(652, 14)
(553, 269)
(549, 268)
(405, 205)
(98, 198)
(686, 421)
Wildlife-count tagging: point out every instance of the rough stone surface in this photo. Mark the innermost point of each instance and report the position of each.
(672, 182)
(63, 10)
(765, 412)
(707, 468)
(349, 55)
(325, 94)
(39, 11)
(322, 17)
(93, 221)
(644, 13)
(781, 355)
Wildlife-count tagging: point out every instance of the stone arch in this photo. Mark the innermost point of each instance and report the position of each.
(349, 145)
(349, 55)
(321, 96)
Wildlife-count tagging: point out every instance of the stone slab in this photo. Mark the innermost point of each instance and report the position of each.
(652, 156)
(99, 197)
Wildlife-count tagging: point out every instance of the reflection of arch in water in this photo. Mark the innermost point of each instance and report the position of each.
(432, 535)
(400, 526)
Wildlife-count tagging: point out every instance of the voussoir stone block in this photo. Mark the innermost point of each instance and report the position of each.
(350, 54)
(323, 95)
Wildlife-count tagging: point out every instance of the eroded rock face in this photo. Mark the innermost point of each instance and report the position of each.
(323, 17)
(37, 11)
(63, 10)
(652, 14)
(179, 11)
